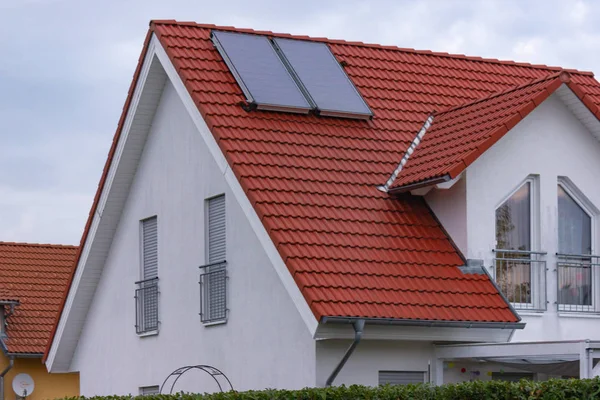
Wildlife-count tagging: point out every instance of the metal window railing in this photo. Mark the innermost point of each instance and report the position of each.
(146, 306)
(521, 276)
(577, 276)
(213, 292)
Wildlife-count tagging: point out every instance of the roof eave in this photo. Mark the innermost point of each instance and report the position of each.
(425, 323)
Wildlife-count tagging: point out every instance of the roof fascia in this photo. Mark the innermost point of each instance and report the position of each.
(426, 323)
(100, 199)
(257, 226)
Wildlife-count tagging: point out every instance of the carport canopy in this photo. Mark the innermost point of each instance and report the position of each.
(533, 356)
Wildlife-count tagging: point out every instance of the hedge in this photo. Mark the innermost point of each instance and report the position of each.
(554, 389)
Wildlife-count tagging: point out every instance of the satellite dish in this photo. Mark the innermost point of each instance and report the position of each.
(23, 385)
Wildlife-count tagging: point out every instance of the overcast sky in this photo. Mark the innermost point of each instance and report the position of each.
(65, 66)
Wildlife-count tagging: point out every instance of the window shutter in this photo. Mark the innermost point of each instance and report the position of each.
(401, 377)
(149, 390)
(216, 230)
(150, 248)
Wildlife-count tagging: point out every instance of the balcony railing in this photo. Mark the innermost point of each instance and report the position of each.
(213, 293)
(521, 276)
(577, 275)
(146, 306)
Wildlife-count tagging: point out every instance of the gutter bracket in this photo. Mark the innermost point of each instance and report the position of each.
(359, 326)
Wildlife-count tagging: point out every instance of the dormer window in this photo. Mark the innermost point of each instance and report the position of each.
(576, 264)
(519, 270)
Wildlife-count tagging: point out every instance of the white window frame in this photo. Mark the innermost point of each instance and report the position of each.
(588, 207)
(537, 283)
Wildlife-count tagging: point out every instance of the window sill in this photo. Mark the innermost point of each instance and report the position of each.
(589, 315)
(213, 323)
(531, 313)
(147, 334)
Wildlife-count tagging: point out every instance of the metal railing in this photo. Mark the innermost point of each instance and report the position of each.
(521, 276)
(146, 306)
(213, 292)
(577, 274)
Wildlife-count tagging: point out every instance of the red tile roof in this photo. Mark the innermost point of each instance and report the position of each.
(352, 250)
(458, 136)
(36, 275)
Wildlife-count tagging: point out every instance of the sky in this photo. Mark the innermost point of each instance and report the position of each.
(66, 65)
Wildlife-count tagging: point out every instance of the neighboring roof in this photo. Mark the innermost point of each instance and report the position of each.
(352, 250)
(35, 275)
(459, 135)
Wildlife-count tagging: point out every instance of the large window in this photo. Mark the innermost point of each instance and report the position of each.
(513, 245)
(575, 249)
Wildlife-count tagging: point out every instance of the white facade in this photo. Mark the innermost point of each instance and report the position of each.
(264, 331)
(550, 144)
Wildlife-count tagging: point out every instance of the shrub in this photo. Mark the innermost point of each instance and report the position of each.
(554, 389)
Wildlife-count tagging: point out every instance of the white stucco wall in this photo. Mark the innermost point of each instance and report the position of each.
(265, 342)
(549, 143)
(370, 357)
(450, 207)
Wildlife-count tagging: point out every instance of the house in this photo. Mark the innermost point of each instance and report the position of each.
(33, 278)
(299, 211)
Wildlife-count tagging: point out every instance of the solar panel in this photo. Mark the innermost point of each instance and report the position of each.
(260, 72)
(322, 76)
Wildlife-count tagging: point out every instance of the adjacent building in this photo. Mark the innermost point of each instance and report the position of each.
(301, 211)
(33, 279)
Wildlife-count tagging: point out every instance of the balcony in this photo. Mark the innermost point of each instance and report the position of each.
(146, 306)
(521, 276)
(213, 293)
(577, 275)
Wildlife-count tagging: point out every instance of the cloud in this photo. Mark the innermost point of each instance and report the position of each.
(67, 65)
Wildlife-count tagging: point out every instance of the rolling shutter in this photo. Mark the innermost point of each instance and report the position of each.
(216, 230)
(149, 390)
(149, 248)
(401, 377)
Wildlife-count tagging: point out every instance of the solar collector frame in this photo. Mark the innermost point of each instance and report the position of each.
(290, 75)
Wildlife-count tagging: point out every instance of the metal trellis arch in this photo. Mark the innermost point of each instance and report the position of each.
(212, 371)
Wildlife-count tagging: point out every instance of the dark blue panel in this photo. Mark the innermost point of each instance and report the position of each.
(324, 78)
(260, 72)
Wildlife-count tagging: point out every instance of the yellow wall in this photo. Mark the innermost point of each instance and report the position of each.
(47, 386)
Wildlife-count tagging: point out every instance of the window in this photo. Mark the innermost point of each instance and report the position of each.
(149, 390)
(146, 294)
(511, 376)
(513, 271)
(213, 280)
(575, 253)
(401, 377)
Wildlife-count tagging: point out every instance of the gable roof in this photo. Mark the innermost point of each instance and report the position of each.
(352, 251)
(459, 135)
(35, 276)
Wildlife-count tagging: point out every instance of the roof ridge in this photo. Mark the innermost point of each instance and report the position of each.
(51, 245)
(371, 45)
(564, 76)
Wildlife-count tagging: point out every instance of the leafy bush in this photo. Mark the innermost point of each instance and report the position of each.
(554, 389)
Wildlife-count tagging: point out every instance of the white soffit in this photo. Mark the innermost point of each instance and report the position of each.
(144, 102)
(576, 106)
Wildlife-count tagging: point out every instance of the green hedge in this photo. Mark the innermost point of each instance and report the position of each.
(554, 389)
